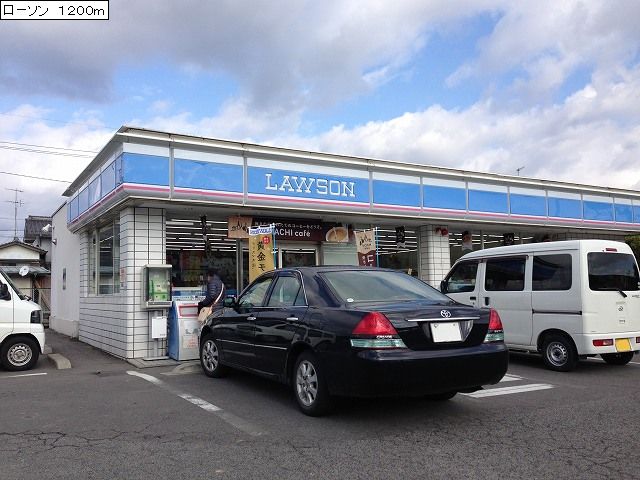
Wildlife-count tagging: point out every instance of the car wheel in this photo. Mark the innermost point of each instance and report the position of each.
(559, 353)
(19, 353)
(210, 358)
(310, 387)
(617, 358)
(441, 397)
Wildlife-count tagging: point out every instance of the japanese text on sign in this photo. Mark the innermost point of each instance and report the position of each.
(54, 10)
(260, 251)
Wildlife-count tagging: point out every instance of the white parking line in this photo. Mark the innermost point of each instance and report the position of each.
(493, 392)
(230, 418)
(24, 375)
(510, 378)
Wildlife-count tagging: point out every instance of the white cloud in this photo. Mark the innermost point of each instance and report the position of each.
(26, 125)
(289, 53)
(592, 137)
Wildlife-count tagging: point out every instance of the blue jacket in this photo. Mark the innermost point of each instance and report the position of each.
(214, 287)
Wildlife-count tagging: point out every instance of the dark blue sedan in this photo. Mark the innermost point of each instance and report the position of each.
(354, 331)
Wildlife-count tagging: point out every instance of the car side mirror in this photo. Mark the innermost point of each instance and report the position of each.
(443, 286)
(4, 292)
(229, 302)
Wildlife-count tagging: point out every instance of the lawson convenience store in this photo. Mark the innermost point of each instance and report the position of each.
(154, 198)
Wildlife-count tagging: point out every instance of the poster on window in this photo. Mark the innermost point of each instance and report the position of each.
(238, 227)
(366, 247)
(260, 251)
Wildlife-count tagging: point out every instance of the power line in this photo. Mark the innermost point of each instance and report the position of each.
(47, 146)
(37, 178)
(45, 152)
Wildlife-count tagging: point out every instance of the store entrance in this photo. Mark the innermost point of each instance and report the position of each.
(291, 256)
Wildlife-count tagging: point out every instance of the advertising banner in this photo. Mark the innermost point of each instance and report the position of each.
(366, 247)
(238, 227)
(260, 251)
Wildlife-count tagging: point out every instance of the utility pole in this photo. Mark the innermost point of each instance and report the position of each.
(16, 203)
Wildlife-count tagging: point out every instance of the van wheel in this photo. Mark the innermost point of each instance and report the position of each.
(559, 353)
(617, 358)
(19, 353)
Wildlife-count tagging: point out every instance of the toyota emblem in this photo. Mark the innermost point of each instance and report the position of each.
(445, 313)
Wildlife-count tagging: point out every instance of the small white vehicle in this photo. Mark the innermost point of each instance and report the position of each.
(21, 331)
(566, 300)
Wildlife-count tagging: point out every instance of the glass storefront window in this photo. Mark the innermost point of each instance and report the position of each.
(104, 260)
(109, 260)
(93, 242)
(465, 241)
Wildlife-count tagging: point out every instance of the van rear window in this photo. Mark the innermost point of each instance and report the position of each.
(612, 271)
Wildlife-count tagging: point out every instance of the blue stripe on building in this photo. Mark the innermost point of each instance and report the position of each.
(146, 169)
(207, 175)
(528, 205)
(492, 202)
(449, 198)
(565, 208)
(396, 193)
(624, 213)
(598, 211)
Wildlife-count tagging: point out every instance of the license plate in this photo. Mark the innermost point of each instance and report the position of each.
(623, 345)
(446, 332)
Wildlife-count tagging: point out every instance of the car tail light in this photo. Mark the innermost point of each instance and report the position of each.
(603, 342)
(375, 331)
(495, 333)
(638, 340)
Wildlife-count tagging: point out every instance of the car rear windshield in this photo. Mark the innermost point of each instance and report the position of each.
(612, 271)
(380, 286)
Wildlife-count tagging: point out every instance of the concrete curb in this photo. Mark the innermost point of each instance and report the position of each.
(59, 361)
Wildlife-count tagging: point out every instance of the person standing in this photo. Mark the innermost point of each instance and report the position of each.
(215, 292)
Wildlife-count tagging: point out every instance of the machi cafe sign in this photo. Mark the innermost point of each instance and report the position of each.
(260, 251)
(366, 247)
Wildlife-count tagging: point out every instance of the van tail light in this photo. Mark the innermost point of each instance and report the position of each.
(375, 331)
(495, 333)
(603, 342)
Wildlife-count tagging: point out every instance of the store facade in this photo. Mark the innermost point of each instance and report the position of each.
(154, 198)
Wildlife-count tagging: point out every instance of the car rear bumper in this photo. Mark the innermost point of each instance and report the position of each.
(584, 342)
(374, 373)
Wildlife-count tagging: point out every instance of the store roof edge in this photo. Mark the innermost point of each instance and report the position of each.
(125, 132)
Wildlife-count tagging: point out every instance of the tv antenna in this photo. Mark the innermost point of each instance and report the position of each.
(16, 203)
(518, 170)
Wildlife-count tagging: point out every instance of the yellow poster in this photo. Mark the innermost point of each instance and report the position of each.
(260, 251)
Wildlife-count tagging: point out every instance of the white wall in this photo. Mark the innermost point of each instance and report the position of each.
(65, 302)
(17, 252)
(117, 323)
(434, 255)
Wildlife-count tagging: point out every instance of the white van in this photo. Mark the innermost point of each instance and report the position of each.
(21, 330)
(566, 300)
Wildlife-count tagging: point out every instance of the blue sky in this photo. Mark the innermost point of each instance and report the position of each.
(486, 85)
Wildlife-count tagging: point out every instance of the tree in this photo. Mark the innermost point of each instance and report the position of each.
(634, 242)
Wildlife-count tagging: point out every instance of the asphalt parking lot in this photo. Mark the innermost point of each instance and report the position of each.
(105, 418)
